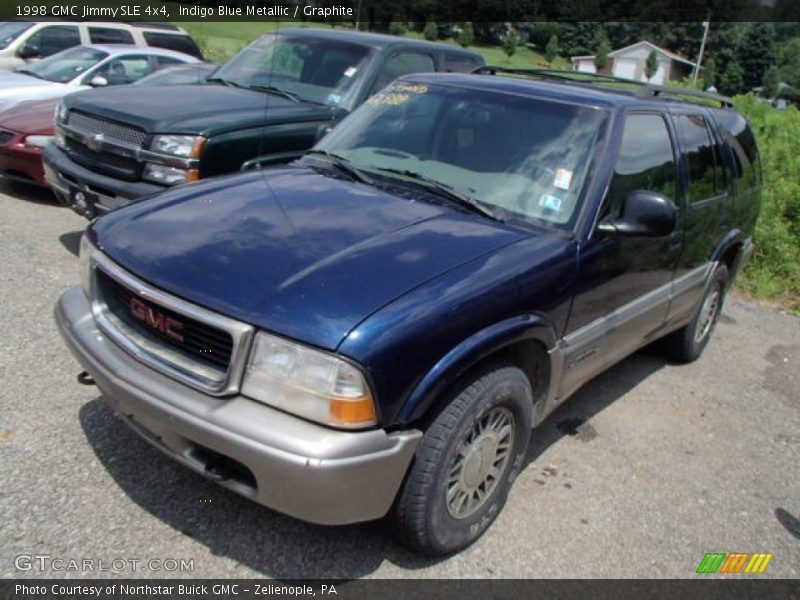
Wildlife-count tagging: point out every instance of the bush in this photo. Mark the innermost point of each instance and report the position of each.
(774, 269)
(551, 51)
(397, 28)
(431, 31)
(510, 43)
(466, 36)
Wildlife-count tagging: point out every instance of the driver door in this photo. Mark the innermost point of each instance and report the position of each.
(623, 284)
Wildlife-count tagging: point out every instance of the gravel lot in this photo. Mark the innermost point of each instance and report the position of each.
(645, 470)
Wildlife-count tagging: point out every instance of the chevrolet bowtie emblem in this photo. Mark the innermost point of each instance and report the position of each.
(95, 142)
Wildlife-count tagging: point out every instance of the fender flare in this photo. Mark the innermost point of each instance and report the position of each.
(470, 352)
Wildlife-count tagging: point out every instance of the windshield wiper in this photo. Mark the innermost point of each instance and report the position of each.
(344, 165)
(227, 82)
(271, 89)
(31, 73)
(446, 191)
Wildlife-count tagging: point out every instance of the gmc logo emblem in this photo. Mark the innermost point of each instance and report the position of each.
(156, 320)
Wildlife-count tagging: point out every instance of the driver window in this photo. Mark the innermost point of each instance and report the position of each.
(401, 64)
(123, 70)
(55, 38)
(646, 161)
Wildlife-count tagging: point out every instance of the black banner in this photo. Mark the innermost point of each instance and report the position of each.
(254, 589)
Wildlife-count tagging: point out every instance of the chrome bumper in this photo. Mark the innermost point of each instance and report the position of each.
(305, 470)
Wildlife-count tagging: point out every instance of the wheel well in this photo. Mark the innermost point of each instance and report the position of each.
(729, 256)
(530, 356)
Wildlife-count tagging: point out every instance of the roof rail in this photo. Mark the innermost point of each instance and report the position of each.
(654, 91)
(643, 91)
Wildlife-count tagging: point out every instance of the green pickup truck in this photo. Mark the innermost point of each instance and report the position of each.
(274, 99)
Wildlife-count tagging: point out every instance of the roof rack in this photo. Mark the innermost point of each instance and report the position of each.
(643, 90)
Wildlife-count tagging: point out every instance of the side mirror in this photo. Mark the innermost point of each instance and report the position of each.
(98, 81)
(644, 214)
(29, 51)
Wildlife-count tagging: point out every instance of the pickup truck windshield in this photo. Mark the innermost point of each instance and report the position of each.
(64, 66)
(10, 31)
(522, 156)
(315, 70)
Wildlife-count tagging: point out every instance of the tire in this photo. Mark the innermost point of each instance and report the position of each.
(687, 344)
(489, 417)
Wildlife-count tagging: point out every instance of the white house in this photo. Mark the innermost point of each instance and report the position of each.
(629, 63)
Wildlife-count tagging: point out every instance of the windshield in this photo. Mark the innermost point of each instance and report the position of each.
(65, 66)
(11, 31)
(315, 70)
(525, 157)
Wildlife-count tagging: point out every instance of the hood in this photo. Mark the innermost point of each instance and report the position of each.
(298, 253)
(198, 109)
(30, 117)
(16, 88)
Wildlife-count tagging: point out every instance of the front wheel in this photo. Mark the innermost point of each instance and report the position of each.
(467, 462)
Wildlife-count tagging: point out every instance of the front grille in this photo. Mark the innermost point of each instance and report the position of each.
(103, 162)
(112, 130)
(5, 137)
(201, 342)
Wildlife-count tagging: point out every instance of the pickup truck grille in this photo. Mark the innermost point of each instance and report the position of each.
(196, 341)
(112, 130)
(103, 162)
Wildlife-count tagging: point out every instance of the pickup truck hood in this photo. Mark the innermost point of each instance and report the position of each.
(298, 253)
(194, 109)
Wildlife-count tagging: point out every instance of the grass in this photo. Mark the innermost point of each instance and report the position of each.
(220, 40)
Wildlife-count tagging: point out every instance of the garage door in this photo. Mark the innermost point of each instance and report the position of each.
(625, 67)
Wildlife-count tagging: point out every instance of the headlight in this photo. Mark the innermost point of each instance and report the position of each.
(59, 139)
(168, 175)
(309, 383)
(38, 141)
(178, 145)
(85, 253)
(61, 113)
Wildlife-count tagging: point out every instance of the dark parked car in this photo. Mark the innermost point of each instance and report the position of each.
(379, 326)
(26, 129)
(278, 96)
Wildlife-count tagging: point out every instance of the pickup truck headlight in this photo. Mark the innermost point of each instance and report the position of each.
(85, 252)
(168, 175)
(61, 113)
(308, 383)
(185, 146)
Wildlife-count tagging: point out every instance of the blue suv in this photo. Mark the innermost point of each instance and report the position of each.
(379, 327)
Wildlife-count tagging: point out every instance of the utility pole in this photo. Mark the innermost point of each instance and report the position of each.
(706, 25)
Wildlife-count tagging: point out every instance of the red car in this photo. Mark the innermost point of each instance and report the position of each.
(27, 128)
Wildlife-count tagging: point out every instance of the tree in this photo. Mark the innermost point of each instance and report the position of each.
(431, 31)
(510, 43)
(771, 80)
(397, 28)
(601, 55)
(789, 62)
(710, 74)
(551, 51)
(466, 36)
(651, 65)
(756, 52)
(732, 80)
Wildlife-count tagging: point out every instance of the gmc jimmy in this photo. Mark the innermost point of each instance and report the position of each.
(379, 327)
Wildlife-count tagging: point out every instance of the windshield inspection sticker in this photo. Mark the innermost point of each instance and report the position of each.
(563, 179)
(350, 71)
(550, 202)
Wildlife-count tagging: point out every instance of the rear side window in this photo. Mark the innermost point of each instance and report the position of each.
(401, 64)
(742, 143)
(172, 41)
(110, 35)
(459, 63)
(705, 172)
(646, 160)
(55, 38)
